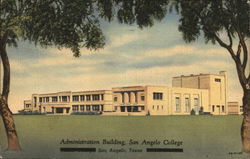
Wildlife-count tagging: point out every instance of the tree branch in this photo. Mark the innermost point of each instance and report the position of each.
(230, 38)
(239, 50)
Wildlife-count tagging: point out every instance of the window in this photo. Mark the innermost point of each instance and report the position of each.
(115, 99)
(82, 97)
(75, 108)
(88, 97)
(102, 96)
(46, 99)
(95, 108)
(213, 108)
(95, 97)
(142, 108)
(88, 107)
(27, 105)
(153, 107)
(122, 97)
(142, 98)
(196, 104)
(54, 99)
(217, 80)
(75, 98)
(187, 105)
(34, 101)
(223, 108)
(157, 107)
(82, 108)
(157, 96)
(177, 104)
(64, 98)
(101, 107)
(40, 99)
(162, 107)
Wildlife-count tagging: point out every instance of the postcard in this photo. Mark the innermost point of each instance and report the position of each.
(124, 79)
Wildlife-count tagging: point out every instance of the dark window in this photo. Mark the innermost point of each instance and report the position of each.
(142, 98)
(88, 107)
(95, 108)
(223, 109)
(75, 98)
(157, 96)
(82, 108)
(75, 108)
(54, 99)
(213, 108)
(115, 99)
(47, 99)
(40, 99)
(64, 98)
(34, 101)
(82, 97)
(102, 96)
(95, 97)
(88, 97)
(217, 80)
(142, 108)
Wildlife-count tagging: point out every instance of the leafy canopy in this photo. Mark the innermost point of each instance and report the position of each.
(63, 23)
(71, 23)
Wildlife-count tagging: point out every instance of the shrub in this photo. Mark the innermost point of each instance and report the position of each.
(85, 113)
(192, 112)
(201, 112)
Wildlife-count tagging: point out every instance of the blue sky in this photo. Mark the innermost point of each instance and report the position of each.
(132, 56)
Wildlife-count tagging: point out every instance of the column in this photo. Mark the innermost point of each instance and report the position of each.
(126, 97)
(132, 97)
(64, 110)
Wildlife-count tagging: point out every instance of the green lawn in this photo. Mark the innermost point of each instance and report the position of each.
(202, 136)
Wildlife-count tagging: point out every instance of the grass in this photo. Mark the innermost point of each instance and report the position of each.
(202, 136)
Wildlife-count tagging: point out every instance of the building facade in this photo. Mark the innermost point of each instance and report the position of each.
(69, 102)
(159, 100)
(196, 93)
(216, 84)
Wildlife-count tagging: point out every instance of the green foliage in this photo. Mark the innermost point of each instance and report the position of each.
(85, 113)
(22, 112)
(192, 112)
(212, 17)
(201, 111)
(62, 23)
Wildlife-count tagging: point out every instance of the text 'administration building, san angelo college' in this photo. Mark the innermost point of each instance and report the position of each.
(207, 92)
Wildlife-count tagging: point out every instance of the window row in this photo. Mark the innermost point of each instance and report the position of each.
(157, 107)
(94, 97)
(218, 109)
(82, 108)
(123, 98)
(187, 105)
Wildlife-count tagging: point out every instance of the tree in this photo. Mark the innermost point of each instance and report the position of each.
(211, 20)
(61, 23)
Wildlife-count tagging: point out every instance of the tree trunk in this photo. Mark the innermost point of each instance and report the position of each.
(13, 143)
(245, 127)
